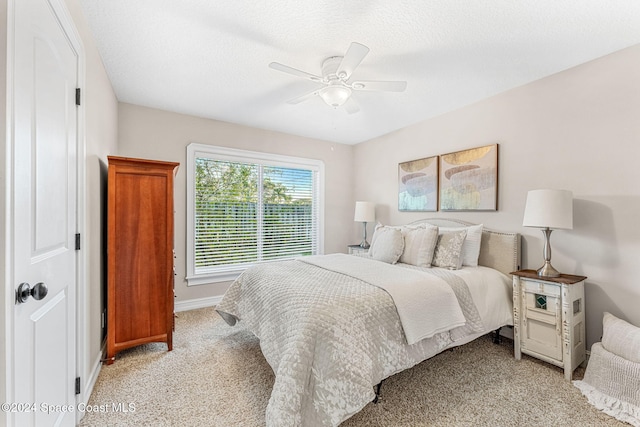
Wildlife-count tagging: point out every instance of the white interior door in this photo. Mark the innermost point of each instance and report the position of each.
(44, 216)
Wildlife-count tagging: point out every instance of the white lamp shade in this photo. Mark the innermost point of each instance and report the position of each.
(549, 208)
(365, 212)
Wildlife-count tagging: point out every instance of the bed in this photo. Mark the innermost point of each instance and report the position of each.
(332, 327)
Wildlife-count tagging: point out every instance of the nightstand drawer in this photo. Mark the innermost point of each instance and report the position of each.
(542, 288)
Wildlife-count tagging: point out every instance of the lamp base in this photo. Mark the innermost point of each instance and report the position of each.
(364, 244)
(547, 270)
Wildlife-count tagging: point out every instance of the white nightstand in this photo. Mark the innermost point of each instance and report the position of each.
(357, 249)
(548, 319)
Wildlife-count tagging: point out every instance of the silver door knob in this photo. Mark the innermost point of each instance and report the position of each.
(25, 290)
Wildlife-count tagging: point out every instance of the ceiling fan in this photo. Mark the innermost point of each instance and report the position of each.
(336, 74)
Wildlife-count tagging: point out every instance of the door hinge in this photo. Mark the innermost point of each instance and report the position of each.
(77, 96)
(77, 385)
(77, 241)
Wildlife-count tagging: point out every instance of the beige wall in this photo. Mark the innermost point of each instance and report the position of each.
(100, 137)
(577, 130)
(161, 135)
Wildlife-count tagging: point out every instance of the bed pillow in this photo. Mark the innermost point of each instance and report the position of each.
(471, 246)
(387, 244)
(419, 245)
(375, 232)
(621, 338)
(396, 227)
(449, 250)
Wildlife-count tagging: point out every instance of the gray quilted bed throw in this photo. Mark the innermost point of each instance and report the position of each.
(330, 329)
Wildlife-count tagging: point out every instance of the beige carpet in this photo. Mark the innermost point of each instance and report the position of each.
(217, 376)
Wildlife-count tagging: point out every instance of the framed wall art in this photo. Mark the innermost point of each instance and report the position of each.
(418, 185)
(469, 180)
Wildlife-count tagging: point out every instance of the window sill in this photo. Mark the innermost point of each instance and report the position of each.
(206, 279)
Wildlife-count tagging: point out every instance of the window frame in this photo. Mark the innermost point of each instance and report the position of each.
(196, 150)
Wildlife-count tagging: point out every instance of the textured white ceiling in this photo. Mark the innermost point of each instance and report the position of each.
(210, 58)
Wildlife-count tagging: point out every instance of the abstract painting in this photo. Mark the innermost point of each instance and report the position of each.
(418, 185)
(469, 180)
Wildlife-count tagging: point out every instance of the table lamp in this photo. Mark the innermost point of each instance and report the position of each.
(549, 210)
(365, 212)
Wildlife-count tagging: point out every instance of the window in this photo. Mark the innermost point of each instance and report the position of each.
(245, 207)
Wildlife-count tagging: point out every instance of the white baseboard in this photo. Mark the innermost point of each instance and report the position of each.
(90, 382)
(193, 304)
(95, 371)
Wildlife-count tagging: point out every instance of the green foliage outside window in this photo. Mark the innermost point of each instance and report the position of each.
(246, 213)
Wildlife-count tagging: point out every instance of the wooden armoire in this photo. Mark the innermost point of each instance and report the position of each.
(140, 253)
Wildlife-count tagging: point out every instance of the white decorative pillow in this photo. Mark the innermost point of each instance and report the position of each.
(395, 227)
(621, 338)
(387, 244)
(449, 249)
(375, 232)
(419, 245)
(471, 246)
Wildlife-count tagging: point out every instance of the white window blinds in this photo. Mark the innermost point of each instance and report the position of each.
(249, 208)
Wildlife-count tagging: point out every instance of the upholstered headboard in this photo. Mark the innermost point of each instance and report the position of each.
(499, 250)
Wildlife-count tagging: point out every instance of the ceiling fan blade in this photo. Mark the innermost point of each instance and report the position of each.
(351, 106)
(304, 97)
(354, 56)
(290, 70)
(379, 85)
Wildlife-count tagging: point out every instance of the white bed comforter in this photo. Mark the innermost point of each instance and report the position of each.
(412, 292)
(329, 336)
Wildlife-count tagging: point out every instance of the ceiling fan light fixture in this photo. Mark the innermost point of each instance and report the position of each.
(336, 78)
(335, 96)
